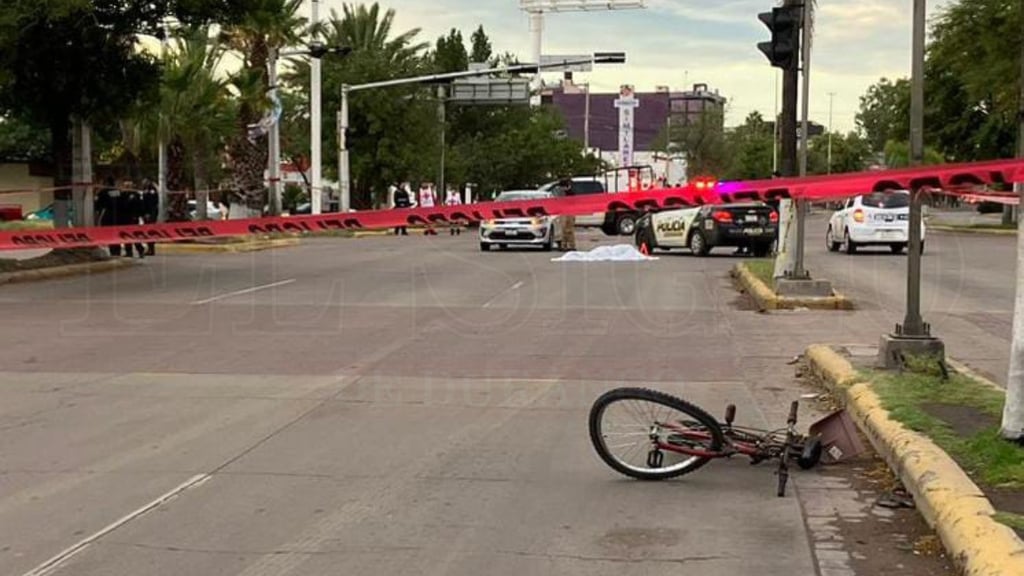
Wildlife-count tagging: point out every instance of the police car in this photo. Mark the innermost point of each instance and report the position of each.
(749, 225)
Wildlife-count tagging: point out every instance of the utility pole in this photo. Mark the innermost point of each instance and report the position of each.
(441, 189)
(775, 123)
(586, 120)
(344, 183)
(831, 97)
(316, 141)
(799, 271)
(914, 335)
(1013, 411)
(274, 147)
(161, 186)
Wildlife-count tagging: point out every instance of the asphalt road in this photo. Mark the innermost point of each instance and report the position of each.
(396, 406)
(967, 289)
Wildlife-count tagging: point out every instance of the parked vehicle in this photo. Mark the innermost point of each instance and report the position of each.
(619, 223)
(505, 232)
(876, 219)
(751, 225)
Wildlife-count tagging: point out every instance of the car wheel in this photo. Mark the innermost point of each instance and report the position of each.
(626, 224)
(485, 247)
(699, 244)
(830, 241)
(849, 246)
(548, 245)
(897, 248)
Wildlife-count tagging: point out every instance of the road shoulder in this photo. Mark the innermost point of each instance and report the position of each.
(947, 498)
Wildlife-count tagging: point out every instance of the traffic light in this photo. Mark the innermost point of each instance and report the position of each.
(783, 49)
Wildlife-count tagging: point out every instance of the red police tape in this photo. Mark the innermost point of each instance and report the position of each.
(962, 178)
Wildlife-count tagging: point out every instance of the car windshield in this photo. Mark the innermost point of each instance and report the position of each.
(884, 200)
(526, 195)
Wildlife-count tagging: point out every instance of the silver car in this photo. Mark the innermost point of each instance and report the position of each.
(536, 231)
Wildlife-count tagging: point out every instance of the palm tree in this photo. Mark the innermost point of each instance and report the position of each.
(387, 126)
(261, 27)
(195, 112)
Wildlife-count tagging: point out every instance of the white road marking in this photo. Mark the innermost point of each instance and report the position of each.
(511, 288)
(240, 292)
(57, 561)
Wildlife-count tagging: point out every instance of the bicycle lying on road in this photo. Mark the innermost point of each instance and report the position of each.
(650, 435)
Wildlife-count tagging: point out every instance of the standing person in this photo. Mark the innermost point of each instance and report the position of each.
(106, 210)
(453, 200)
(428, 200)
(150, 209)
(402, 198)
(567, 223)
(130, 214)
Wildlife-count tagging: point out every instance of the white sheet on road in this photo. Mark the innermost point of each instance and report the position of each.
(616, 253)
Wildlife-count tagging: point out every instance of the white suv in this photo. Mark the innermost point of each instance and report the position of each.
(876, 219)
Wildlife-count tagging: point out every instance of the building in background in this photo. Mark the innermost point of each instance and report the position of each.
(596, 119)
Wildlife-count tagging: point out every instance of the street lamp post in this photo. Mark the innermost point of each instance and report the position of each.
(316, 184)
(913, 336)
(344, 176)
(274, 145)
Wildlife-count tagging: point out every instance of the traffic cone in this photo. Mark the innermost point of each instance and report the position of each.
(644, 250)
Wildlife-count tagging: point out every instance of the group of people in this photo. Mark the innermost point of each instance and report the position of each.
(125, 205)
(425, 197)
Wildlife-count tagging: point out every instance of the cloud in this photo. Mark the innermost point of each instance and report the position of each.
(675, 42)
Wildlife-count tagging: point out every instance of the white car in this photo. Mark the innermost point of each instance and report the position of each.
(876, 219)
(504, 232)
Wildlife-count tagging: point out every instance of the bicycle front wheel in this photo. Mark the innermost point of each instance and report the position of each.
(634, 429)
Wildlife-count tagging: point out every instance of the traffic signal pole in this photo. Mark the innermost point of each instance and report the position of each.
(913, 336)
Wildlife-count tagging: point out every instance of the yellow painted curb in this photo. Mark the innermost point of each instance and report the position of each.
(958, 229)
(64, 271)
(947, 498)
(251, 246)
(767, 299)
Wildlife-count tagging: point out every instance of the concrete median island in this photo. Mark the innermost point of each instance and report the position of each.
(938, 431)
(755, 278)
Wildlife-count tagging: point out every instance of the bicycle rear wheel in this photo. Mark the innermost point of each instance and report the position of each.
(627, 424)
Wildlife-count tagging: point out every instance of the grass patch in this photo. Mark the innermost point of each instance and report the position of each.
(961, 415)
(26, 225)
(763, 270)
(1015, 521)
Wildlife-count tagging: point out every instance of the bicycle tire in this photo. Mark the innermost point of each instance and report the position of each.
(600, 406)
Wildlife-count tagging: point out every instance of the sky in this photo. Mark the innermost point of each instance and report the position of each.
(678, 43)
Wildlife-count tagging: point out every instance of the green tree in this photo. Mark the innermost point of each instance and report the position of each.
(450, 53)
(850, 153)
(481, 51)
(749, 149)
(20, 139)
(65, 59)
(252, 30)
(885, 113)
(972, 78)
(393, 131)
(701, 139)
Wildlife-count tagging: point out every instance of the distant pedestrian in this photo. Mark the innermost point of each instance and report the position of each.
(150, 209)
(453, 200)
(130, 214)
(401, 199)
(428, 199)
(106, 209)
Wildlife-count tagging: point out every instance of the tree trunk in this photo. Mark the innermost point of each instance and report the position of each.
(247, 162)
(177, 200)
(60, 141)
(202, 192)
